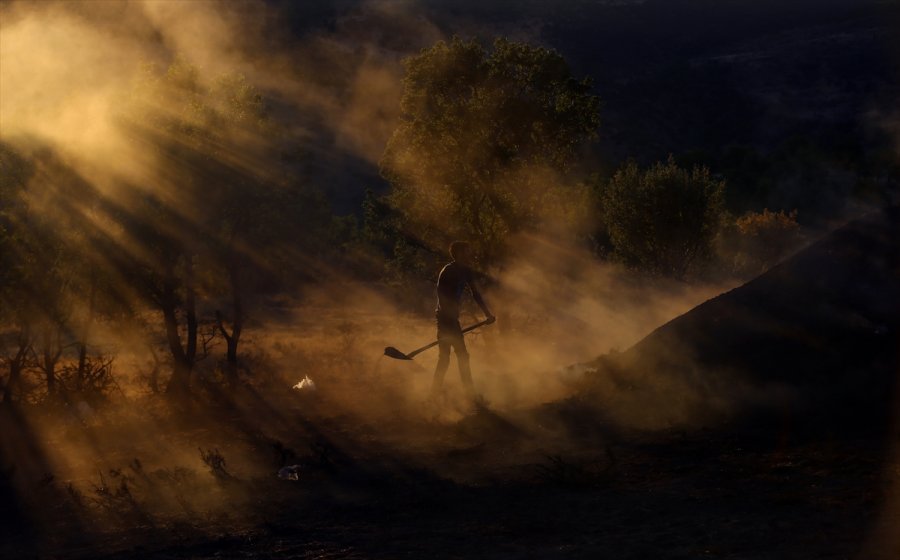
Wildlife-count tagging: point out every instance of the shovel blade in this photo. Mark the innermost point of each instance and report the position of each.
(392, 352)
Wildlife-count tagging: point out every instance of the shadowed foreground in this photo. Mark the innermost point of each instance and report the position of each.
(494, 487)
(759, 425)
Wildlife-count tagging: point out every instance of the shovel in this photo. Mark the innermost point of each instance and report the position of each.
(392, 352)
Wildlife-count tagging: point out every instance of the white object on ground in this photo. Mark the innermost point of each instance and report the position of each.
(291, 472)
(305, 384)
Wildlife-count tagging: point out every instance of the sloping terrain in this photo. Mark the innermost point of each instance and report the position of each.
(815, 339)
(568, 480)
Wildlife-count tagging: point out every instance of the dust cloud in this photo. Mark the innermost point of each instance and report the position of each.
(71, 79)
(70, 67)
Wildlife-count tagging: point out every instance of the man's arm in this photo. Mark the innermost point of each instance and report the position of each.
(476, 295)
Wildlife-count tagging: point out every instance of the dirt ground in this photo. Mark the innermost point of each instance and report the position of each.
(543, 470)
(511, 484)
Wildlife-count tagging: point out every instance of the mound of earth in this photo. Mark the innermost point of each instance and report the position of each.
(814, 339)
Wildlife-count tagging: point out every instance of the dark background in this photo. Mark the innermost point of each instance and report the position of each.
(792, 102)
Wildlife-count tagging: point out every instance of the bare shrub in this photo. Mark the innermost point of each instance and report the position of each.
(215, 461)
(91, 379)
(116, 500)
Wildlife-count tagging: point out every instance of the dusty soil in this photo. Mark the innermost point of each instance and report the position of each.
(515, 484)
(762, 424)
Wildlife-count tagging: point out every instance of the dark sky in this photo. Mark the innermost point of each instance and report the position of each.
(694, 77)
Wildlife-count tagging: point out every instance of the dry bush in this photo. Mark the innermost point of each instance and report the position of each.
(215, 461)
(94, 382)
(116, 500)
(759, 240)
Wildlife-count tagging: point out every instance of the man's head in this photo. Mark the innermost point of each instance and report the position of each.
(461, 252)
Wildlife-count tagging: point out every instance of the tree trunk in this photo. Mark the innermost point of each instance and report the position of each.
(82, 366)
(48, 364)
(233, 338)
(85, 333)
(180, 383)
(15, 373)
(180, 380)
(183, 358)
(16, 365)
(190, 308)
(154, 374)
(50, 353)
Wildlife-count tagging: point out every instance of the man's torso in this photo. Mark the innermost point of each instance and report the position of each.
(451, 283)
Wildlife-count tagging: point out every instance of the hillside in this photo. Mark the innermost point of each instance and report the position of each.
(813, 339)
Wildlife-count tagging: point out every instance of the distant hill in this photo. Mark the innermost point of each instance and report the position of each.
(787, 99)
(814, 340)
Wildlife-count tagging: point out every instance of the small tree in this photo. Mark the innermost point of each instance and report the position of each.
(16, 270)
(222, 208)
(485, 139)
(663, 220)
(54, 267)
(166, 215)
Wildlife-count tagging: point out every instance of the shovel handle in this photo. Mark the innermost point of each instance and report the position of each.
(476, 325)
(435, 343)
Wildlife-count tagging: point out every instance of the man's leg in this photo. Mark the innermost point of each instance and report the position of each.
(465, 372)
(441, 367)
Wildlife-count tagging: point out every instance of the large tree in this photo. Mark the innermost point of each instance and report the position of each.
(486, 140)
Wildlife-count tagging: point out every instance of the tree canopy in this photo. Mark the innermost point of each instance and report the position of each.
(663, 219)
(486, 137)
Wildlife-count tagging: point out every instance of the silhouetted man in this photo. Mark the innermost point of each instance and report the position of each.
(453, 280)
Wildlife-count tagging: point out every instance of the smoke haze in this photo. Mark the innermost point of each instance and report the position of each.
(76, 81)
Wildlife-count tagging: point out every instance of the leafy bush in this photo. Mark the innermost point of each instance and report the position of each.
(663, 220)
